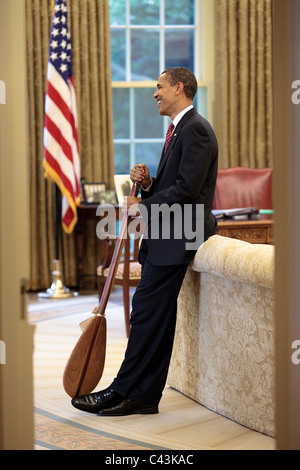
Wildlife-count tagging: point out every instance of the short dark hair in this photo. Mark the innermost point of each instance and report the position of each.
(184, 75)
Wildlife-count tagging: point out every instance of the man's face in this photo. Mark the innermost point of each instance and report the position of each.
(165, 96)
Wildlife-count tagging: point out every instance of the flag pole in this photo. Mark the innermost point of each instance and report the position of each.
(61, 151)
(57, 217)
(57, 290)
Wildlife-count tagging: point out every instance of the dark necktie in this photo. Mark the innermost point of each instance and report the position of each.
(169, 135)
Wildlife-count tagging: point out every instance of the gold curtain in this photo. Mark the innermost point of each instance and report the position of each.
(89, 28)
(244, 82)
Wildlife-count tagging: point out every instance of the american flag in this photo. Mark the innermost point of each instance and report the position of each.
(61, 153)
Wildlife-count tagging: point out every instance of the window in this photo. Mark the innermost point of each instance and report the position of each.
(148, 36)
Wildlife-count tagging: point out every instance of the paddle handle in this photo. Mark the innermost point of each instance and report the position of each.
(116, 256)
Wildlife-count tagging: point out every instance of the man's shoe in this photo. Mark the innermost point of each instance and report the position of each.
(128, 407)
(95, 401)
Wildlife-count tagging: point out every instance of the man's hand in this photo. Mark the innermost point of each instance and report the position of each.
(140, 174)
(130, 206)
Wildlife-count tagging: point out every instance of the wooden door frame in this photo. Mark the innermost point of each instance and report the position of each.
(287, 219)
(16, 376)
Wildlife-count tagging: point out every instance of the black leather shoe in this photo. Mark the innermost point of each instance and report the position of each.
(129, 407)
(95, 401)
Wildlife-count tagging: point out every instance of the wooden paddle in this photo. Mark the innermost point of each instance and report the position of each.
(85, 366)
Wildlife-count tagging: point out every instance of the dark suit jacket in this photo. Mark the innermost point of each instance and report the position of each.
(186, 175)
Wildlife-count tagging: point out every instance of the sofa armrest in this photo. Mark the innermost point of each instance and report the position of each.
(236, 260)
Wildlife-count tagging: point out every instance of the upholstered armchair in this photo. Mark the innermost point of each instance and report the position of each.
(244, 187)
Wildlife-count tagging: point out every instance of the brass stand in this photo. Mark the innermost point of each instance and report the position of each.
(57, 289)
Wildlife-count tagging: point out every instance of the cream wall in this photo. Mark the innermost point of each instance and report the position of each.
(16, 381)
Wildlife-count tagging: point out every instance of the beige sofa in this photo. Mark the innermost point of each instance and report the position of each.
(223, 354)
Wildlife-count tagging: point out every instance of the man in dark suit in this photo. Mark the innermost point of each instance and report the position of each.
(185, 181)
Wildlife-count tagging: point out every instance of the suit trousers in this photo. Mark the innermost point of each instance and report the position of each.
(143, 373)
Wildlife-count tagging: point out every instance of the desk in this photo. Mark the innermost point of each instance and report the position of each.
(84, 213)
(251, 231)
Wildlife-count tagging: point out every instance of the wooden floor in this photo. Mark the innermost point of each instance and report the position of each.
(181, 423)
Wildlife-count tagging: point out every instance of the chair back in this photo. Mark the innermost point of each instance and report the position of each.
(244, 187)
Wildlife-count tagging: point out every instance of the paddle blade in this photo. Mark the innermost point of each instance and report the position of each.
(85, 366)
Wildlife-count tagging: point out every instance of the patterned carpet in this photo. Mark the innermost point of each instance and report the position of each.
(55, 433)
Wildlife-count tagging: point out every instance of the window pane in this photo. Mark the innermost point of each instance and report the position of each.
(201, 101)
(117, 12)
(182, 14)
(144, 54)
(121, 113)
(180, 48)
(149, 123)
(144, 12)
(149, 154)
(139, 130)
(122, 159)
(118, 54)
